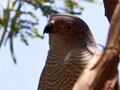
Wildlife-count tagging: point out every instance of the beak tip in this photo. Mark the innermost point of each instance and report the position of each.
(47, 29)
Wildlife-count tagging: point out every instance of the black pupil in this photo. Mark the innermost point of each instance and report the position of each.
(69, 27)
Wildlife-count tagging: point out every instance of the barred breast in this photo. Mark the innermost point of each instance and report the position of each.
(62, 71)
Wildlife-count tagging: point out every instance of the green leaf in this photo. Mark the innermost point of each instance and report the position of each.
(43, 1)
(90, 0)
(12, 51)
(70, 4)
(36, 32)
(23, 39)
(5, 20)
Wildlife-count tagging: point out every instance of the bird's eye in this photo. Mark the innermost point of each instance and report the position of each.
(69, 27)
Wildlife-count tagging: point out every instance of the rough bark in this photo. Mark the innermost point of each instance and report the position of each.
(101, 72)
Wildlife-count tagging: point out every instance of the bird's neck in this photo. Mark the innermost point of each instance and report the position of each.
(65, 44)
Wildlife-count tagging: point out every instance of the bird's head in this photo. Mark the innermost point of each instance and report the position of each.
(65, 24)
(68, 29)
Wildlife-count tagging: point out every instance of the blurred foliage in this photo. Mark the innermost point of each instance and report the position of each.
(11, 23)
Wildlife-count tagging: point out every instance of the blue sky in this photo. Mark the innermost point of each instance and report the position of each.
(30, 59)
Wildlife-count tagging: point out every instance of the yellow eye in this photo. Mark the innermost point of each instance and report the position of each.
(69, 27)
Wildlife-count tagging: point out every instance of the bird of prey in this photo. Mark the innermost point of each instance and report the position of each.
(71, 47)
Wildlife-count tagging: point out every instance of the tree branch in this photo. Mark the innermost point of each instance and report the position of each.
(109, 7)
(101, 72)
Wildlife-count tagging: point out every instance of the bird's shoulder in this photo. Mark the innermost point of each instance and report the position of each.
(81, 55)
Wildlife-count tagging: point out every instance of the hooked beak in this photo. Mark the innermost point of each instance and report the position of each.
(47, 29)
